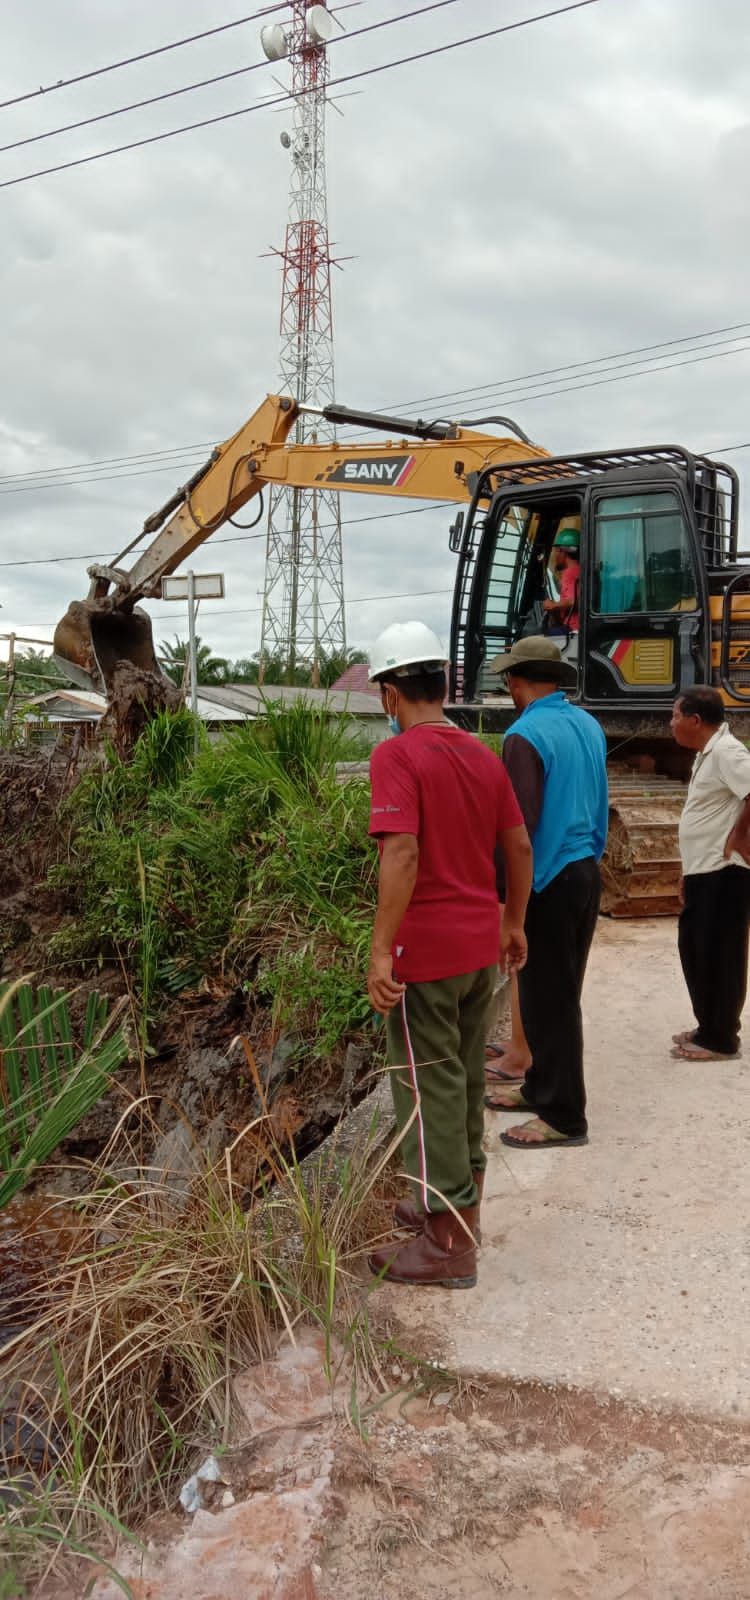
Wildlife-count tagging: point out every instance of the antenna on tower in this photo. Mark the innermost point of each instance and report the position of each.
(303, 597)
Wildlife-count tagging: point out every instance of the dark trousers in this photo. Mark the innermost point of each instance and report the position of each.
(713, 937)
(560, 924)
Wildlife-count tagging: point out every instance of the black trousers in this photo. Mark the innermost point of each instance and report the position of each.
(712, 940)
(560, 924)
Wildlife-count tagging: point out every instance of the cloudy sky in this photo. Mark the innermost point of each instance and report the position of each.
(554, 195)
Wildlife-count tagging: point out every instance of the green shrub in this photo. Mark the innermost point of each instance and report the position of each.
(248, 858)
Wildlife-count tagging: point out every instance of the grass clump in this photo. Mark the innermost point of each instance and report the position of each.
(123, 1375)
(248, 862)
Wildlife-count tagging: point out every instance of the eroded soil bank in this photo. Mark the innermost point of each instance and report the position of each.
(195, 1069)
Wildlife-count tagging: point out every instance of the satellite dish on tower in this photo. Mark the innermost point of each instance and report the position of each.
(319, 25)
(274, 41)
(285, 140)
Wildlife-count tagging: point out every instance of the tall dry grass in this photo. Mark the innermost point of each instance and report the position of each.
(124, 1369)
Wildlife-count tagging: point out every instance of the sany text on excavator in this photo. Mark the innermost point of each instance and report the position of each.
(664, 593)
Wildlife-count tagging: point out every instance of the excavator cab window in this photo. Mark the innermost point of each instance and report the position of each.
(644, 637)
(642, 559)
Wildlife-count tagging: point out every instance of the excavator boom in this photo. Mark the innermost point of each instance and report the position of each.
(439, 462)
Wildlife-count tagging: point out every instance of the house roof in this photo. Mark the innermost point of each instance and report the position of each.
(74, 705)
(226, 702)
(250, 698)
(65, 705)
(355, 680)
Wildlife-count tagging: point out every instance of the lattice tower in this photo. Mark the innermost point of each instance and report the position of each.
(303, 598)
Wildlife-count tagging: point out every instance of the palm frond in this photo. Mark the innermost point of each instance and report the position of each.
(49, 1080)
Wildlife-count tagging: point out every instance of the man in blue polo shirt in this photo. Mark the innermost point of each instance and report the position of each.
(555, 755)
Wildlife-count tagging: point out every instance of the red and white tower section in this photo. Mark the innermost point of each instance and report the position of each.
(303, 598)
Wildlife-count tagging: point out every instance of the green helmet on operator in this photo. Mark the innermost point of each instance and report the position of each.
(567, 539)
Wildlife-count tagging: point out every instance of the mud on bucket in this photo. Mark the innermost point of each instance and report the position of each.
(94, 637)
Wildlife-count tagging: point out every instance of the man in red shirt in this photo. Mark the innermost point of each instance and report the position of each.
(441, 803)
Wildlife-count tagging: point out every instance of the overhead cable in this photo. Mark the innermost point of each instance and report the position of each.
(145, 55)
(207, 83)
(287, 99)
(375, 516)
(62, 472)
(473, 390)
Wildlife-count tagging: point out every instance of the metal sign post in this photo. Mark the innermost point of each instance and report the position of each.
(193, 587)
(191, 643)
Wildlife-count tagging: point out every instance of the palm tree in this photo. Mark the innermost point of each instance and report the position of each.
(332, 667)
(175, 658)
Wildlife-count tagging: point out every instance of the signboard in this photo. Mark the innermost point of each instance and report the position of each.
(206, 586)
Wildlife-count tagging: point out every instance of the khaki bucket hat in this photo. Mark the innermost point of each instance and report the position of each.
(535, 657)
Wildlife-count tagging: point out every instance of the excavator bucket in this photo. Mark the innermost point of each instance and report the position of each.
(95, 637)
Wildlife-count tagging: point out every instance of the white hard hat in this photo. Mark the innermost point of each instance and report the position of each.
(406, 648)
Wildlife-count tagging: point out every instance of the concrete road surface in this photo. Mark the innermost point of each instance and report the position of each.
(622, 1266)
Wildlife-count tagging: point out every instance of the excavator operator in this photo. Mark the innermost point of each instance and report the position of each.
(562, 613)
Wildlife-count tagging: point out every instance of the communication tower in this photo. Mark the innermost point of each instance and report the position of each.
(303, 596)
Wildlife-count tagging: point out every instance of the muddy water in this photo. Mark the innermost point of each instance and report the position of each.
(36, 1234)
(35, 1237)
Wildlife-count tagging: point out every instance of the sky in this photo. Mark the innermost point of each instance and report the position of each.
(550, 196)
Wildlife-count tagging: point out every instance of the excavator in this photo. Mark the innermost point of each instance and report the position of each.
(663, 602)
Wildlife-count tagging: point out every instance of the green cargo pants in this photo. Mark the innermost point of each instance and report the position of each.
(436, 1041)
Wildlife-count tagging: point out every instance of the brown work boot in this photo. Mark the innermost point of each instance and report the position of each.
(409, 1216)
(443, 1254)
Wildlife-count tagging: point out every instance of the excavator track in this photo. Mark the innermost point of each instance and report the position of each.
(641, 866)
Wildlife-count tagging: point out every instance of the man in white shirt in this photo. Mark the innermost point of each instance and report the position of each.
(715, 853)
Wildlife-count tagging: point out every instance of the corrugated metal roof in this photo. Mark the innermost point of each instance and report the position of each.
(251, 698)
(226, 702)
(72, 705)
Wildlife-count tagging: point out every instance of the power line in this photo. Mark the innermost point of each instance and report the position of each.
(207, 83)
(620, 377)
(286, 99)
(357, 600)
(243, 538)
(376, 516)
(570, 389)
(253, 611)
(106, 461)
(129, 61)
(474, 390)
(135, 105)
(101, 477)
(61, 472)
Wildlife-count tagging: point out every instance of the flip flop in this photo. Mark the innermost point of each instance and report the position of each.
(686, 1037)
(496, 1075)
(494, 1051)
(682, 1052)
(551, 1138)
(513, 1100)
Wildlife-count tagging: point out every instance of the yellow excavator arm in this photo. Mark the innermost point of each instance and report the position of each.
(439, 462)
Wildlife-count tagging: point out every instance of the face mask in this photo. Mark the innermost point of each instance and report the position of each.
(394, 725)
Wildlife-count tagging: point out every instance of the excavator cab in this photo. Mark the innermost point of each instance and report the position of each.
(656, 533)
(658, 549)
